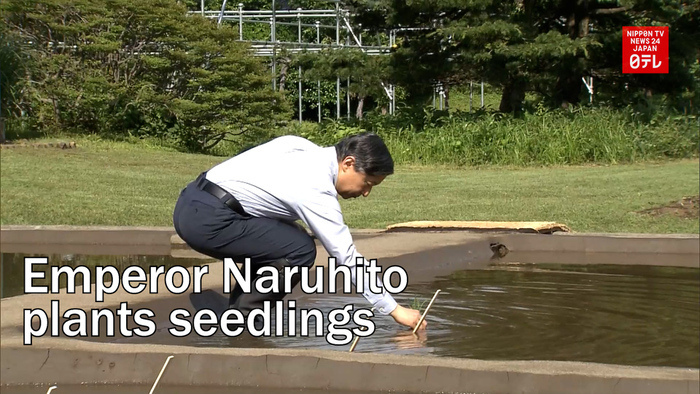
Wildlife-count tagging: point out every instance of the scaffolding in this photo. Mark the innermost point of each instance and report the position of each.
(270, 48)
(341, 17)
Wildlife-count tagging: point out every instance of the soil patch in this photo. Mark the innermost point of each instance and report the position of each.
(687, 208)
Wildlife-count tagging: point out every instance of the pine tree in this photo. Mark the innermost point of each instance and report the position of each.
(141, 68)
(545, 46)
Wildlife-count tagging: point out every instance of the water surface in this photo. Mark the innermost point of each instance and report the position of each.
(633, 315)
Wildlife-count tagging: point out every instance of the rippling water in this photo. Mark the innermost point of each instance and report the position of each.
(621, 315)
(607, 314)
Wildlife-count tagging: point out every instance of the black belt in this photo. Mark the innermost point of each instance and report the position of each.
(223, 196)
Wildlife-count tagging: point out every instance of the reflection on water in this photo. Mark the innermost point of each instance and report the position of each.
(608, 314)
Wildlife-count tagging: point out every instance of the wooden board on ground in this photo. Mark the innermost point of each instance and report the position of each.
(480, 226)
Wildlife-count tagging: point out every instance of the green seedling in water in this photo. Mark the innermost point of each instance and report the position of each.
(418, 303)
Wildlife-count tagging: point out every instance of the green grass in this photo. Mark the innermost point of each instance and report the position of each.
(586, 198)
(459, 98)
(103, 183)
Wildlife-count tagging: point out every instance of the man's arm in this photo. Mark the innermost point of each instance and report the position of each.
(323, 215)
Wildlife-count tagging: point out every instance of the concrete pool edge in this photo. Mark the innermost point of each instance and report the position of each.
(76, 362)
(164, 240)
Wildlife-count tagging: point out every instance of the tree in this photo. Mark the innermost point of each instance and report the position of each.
(142, 68)
(11, 70)
(224, 91)
(366, 72)
(680, 84)
(545, 46)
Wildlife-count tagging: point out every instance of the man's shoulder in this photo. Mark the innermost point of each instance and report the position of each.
(279, 145)
(295, 141)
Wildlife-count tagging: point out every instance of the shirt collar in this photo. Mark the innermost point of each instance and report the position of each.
(332, 163)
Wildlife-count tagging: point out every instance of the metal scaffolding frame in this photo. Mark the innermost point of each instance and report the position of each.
(270, 48)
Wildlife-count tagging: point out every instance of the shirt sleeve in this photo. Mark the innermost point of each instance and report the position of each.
(321, 212)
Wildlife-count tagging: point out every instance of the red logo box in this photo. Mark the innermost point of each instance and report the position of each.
(645, 50)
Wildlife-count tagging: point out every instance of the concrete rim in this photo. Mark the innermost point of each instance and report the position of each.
(70, 362)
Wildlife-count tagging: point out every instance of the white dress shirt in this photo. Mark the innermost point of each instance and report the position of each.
(291, 178)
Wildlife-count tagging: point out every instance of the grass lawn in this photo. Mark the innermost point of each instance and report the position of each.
(107, 183)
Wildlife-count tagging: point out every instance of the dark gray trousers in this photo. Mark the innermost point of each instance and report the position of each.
(210, 227)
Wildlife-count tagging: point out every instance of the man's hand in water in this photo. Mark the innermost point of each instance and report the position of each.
(408, 317)
(407, 340)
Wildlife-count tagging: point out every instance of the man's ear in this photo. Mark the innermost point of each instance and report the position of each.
(348, 161)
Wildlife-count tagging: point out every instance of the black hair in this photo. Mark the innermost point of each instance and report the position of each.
(371, 155)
